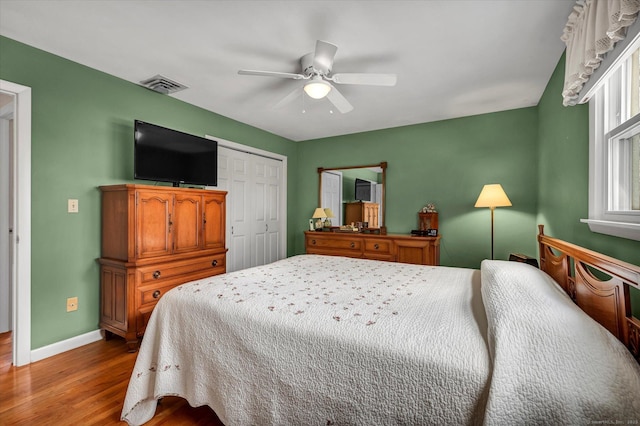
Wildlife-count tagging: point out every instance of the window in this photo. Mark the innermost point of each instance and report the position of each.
(614, 170)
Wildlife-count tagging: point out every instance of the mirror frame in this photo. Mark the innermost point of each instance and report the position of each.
(382, 165)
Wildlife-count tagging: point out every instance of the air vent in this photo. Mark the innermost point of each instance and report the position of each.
(162, 85)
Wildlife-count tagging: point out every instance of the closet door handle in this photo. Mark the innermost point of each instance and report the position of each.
(156, 275)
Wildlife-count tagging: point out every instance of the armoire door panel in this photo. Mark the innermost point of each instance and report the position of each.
(186, 223)
(214, 221)
(153, 212)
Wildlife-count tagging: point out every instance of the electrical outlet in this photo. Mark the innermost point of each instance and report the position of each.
(72, 206)
(72, 304)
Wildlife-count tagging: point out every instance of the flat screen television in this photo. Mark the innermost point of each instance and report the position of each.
(166, 155)
(363, 190)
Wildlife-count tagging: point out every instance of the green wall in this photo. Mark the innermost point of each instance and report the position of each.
(447, 163)
(563, 154)
(82, 137)
(563, 197)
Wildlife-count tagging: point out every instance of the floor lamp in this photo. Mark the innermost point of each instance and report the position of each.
(493, 196)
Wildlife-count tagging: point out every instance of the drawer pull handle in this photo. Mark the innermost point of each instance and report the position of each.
(376, 246)
(156, 275)
(214, 263)
(156, 294)
(313, 242)
(353, 244)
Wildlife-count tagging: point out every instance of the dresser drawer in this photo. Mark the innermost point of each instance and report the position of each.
(378, 246)
(154, 281)
(387, 247)
(338, 243)
(147, 299)
(151, 295)
(170, 271)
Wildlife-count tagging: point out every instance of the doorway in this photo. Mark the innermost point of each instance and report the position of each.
(6, 210)
(17, 214)
(332, 194)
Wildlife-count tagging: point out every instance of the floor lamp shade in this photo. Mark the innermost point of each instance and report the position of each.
(493, 196)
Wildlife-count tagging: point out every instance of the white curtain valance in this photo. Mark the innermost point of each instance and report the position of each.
(593, 28)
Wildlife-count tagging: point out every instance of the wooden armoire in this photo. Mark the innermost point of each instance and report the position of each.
(154, 238)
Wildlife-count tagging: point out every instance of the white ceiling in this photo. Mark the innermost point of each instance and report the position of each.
(453, 58)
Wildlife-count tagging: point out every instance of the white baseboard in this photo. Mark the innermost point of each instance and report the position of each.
(65, 345)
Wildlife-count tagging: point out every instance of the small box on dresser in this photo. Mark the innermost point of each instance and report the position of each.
(154, 238)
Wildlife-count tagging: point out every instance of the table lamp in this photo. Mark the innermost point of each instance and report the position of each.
(318, 215)
(327, 221)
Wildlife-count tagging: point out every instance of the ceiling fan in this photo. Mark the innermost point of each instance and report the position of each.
(316, 68)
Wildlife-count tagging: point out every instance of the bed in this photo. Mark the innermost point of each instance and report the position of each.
(326, 340)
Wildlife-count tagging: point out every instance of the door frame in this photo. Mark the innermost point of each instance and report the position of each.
(283, 202)
(21, 281)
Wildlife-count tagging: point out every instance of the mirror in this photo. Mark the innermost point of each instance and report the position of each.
(354, 194)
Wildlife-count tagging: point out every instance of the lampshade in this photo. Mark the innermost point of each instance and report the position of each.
(328, 212)
(319, 213)
(317, 88)
(493, 196)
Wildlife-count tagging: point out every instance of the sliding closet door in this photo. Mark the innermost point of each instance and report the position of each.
(267, 219)
(233, 171)
(254, 220)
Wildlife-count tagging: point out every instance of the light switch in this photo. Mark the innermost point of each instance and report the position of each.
(72, 206)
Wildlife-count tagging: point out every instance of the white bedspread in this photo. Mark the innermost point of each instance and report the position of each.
(552, 364)
(315, 339)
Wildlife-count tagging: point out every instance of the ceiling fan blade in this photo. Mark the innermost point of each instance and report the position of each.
(324, 54)
(339, 101)
(272, 74)
(368, 79)
(289, 98)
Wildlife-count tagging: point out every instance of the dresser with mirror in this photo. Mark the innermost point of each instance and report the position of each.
(338, 191)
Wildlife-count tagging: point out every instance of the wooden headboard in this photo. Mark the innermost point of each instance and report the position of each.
(605, 299)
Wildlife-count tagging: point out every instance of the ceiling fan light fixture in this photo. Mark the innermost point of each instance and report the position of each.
(317, 88)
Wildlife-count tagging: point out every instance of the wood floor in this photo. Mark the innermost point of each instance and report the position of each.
(85, 386)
